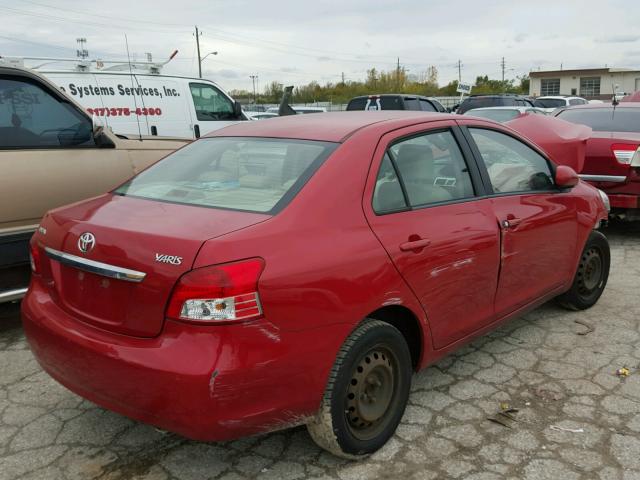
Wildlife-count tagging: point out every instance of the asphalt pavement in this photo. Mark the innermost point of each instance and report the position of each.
(538, 398)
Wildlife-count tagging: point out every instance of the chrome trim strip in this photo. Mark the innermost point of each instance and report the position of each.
(12, 295)
(603, 178)
(98, 268)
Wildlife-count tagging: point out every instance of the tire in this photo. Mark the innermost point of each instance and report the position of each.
(592, 274)
(367, 392)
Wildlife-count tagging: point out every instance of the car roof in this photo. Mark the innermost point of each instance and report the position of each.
(495, 95)
(405, 95)
(329, 127)
(511, 107)
(558, 97)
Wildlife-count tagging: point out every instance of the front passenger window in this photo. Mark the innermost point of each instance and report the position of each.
(210, 103)
(30, 117)
(512, 166)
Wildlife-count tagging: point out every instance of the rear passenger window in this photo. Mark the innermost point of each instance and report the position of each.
(431, 169)
(30, 117)
(427, 106)
(512, 166)
(388, 196)
(412, 104)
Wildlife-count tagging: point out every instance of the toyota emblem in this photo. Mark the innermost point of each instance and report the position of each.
(86, 242)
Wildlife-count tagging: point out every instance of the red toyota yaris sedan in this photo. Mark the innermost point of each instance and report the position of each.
(299, 270)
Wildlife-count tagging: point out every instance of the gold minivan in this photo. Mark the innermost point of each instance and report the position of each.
(51, 154)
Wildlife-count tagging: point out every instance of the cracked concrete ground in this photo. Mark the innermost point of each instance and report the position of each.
(577, 419)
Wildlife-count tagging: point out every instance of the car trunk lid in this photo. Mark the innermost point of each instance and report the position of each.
(140, 248)
(606, 153)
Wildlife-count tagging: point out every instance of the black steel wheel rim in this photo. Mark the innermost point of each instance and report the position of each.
(371, 392)
(590, 272)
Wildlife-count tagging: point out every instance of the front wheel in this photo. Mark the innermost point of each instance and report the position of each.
(367, 392)
(591, 276)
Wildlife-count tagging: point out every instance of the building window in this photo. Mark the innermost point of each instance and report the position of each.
(589, 86)
(550, 86)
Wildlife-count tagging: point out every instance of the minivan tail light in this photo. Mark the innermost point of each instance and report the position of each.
(624, 152)
(219, 293)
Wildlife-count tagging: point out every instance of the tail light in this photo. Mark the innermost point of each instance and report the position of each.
(35, 257)
(624, 152)
(219, 293)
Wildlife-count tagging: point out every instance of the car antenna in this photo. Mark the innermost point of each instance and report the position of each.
(126, 41)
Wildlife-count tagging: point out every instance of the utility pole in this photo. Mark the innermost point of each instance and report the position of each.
(502, 64)
(398, 76)
(459, 72)
(342, 78)
(254, 78)
(198, 47)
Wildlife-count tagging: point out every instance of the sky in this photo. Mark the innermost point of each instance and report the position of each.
(295, 42)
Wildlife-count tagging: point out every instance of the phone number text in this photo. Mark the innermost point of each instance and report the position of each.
(123, 111)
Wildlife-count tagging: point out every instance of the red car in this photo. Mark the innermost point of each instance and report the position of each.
(612, 160)
(299, 270)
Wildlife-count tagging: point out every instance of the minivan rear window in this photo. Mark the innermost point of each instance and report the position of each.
(388, 102)
(249, 174)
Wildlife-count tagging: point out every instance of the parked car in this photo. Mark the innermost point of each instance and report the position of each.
(144, 101)
(483, 101)
(504, 114)
(631, 97)
(260, 115)
(553, 102)
(299, 270)
(299, 110)
(390, 101)
(612, 157)
(50, 155)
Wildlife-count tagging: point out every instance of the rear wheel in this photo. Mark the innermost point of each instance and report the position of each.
(367, 392)
(591, 276)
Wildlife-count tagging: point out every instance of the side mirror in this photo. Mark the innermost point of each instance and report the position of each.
(566, 177)
(102, 139)
(237, 110)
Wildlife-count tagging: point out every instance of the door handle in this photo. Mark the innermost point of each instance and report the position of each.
(415, 245)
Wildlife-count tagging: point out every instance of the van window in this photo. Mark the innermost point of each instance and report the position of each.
(30, 117)
(210, 103)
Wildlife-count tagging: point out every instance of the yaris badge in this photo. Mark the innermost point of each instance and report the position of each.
(86, 242)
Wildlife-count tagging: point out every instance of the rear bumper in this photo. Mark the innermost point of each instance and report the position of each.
(206, 383)
(619, 200)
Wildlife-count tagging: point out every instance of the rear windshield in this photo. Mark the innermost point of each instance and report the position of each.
(604, 119)
(498, 115)
(480, 102)
(237, 173)
(549, 103)
(376, 103)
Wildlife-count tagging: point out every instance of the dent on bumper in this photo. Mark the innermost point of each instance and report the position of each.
(206, 383)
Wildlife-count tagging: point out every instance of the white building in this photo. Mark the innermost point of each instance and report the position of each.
(590, 83)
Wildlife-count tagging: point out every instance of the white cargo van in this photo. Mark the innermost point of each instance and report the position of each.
(135, 99)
